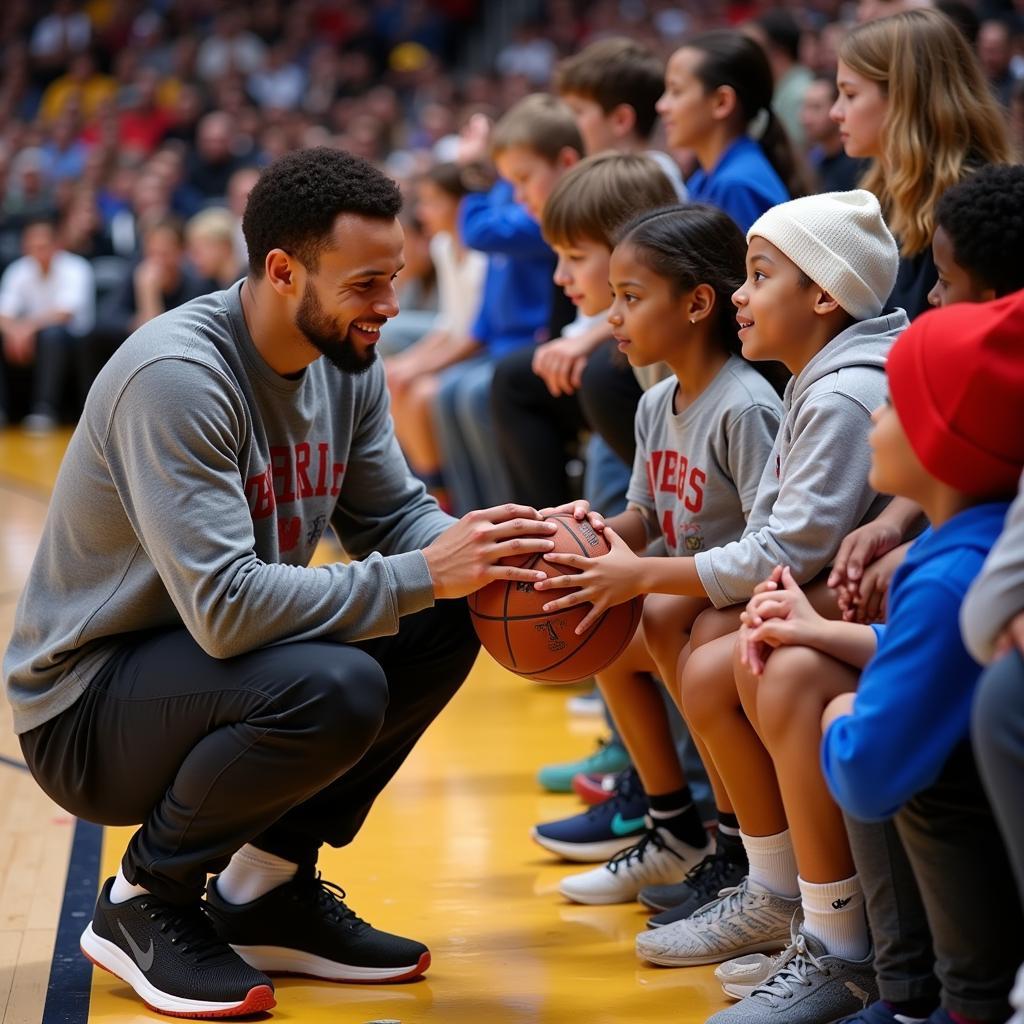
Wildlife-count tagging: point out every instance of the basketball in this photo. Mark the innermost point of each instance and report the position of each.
(516, 631)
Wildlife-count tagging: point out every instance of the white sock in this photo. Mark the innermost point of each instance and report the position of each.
(251, 873)
(123, 890)
(834, 913)
(772, 863)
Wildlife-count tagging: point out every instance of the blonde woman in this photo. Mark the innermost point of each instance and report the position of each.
(913, 99)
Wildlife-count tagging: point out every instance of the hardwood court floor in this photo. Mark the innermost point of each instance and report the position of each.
(445, 856)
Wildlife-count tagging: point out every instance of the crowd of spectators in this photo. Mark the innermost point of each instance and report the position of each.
(132, 130)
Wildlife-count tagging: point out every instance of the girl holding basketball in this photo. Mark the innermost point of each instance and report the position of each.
(703, 438)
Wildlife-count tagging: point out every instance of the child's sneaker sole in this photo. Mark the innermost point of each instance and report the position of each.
(115, 961)
(586, 853)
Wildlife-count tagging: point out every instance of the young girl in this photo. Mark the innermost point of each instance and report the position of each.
(818, 272)
(717, 103)
(913, 99)
(703, 438)
(412, 374)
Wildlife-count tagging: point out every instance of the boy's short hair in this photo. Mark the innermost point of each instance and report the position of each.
(540, 122)
(983, 218)
(600, 194)
(613, 71)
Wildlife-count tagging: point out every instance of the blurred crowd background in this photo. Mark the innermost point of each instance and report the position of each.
(132, 130)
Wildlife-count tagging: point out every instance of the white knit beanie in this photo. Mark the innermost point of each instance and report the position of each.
(840, 241)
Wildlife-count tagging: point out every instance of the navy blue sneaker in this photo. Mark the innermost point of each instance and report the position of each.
(881, 1012)
(599, 833)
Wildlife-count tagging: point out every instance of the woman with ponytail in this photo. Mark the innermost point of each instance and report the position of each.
(717, 102)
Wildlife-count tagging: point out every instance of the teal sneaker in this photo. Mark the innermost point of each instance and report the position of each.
(609, 757)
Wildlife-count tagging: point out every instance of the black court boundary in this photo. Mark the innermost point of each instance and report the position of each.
(70, 984)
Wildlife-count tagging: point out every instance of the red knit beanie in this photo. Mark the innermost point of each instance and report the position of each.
(956, 380)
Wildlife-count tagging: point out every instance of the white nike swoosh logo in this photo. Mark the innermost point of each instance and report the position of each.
(144, 960)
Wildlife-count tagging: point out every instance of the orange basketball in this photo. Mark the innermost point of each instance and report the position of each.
(517, 632)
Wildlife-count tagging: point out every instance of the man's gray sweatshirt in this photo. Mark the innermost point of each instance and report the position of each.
(193, 493)
(814, 489)
(997, 595)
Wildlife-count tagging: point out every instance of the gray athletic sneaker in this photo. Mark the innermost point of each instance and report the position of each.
(739, 977)
(809, 986)
(743, 919)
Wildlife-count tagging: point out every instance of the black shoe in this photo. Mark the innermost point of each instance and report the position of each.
(701, 885)
(173, 959)
(304, 927)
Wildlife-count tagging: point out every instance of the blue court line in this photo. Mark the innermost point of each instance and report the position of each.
(13, 762)
(67, 994)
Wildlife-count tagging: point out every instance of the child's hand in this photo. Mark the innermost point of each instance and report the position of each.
(560, 364)
(837, 707)
(754, 654)
(859, 549)
(579, 510)
(604, 581)
(1012, 636)
(871, 603)
(782, 617)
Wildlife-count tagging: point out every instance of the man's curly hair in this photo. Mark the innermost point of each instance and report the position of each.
(984, 218)
(294, 203)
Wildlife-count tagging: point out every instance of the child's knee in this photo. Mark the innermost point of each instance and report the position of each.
(788, 698)
(713, 623)
(707, 687)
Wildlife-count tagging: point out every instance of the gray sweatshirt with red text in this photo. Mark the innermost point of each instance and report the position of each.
(193, 493)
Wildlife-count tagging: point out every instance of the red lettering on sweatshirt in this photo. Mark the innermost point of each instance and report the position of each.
(290, 475)
(671, 473)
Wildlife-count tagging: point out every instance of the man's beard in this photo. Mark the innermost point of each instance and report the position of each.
(321, 331)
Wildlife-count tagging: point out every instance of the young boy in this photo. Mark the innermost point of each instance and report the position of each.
(951, 438)
(531, 145)
(612, 87)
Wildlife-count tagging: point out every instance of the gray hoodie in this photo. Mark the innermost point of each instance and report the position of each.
(814, 489)
(997, 595)
(193, 493)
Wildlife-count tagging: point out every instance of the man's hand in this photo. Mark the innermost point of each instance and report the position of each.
(468, 555)
(560, 364)
(1012, 636)
(857, 551)
(604, 581)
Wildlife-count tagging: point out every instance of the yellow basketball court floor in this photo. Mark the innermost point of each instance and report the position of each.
(445, 857)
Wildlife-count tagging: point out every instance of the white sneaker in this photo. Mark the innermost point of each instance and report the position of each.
(739, 977)
(657, 859)
(744, 919)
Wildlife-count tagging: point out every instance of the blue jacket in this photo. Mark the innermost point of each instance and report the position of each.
(913, 705)
(516, 302)
(743, 183)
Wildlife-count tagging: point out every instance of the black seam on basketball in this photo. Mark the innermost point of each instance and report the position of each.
(572, 533)
(531, 562)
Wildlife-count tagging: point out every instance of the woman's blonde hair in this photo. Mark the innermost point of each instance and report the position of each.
(942, 122)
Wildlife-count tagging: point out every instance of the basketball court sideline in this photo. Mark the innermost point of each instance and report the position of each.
(445, 857)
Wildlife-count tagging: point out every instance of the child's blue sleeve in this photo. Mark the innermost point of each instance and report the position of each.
(494, 223)
(912, 707)
(739, 200)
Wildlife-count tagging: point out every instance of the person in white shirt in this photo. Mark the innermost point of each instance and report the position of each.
(47, 307)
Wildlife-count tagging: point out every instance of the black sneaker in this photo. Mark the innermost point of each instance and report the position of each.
(173, 959)
(701, 885)
(304, 927)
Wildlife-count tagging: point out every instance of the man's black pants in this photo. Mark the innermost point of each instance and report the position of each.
(286, 747)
